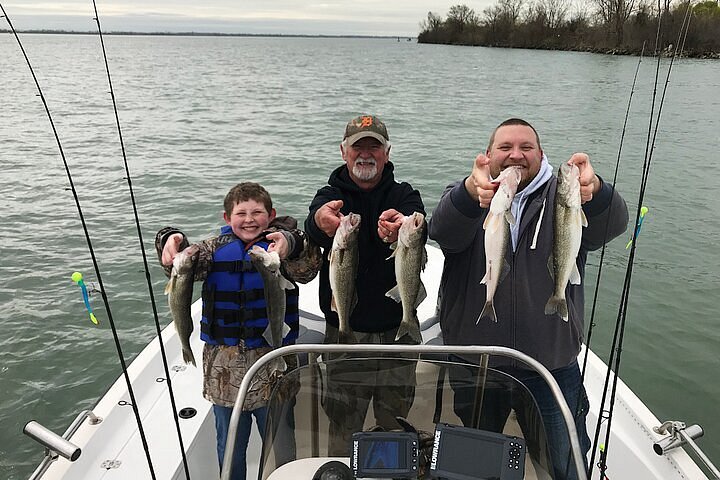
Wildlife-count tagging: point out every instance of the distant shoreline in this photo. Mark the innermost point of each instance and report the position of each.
(208, 34)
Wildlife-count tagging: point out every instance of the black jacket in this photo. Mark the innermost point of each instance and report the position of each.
(376, 275)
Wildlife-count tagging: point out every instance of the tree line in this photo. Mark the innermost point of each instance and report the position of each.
(608, 26)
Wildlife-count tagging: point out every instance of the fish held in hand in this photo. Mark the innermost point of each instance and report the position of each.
(179, 291)
(344, 259)
(497, 236)
(274, 286)
(410, 259)
(569, 220)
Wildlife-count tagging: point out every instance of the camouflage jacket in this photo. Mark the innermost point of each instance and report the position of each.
(224, 366)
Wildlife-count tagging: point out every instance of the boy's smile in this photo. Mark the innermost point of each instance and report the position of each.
(249, 219)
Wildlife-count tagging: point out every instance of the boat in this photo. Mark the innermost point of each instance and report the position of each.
(105, 443)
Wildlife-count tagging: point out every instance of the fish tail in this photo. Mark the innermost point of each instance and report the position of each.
(188, 356)
(488, 311)
(410, 328)
(558, 305)
(279, 365)
(346, 337)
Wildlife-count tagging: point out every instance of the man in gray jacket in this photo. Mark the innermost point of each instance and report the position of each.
(524, 289)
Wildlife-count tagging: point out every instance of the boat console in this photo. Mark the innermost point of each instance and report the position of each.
(444, 435)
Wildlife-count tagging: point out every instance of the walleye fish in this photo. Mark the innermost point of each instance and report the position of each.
(410, 259)
(567, 234)
(274, 286)
(497, 236)
(179, 291)
(343, 267)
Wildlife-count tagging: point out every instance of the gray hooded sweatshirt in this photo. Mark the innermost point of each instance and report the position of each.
(520, 298)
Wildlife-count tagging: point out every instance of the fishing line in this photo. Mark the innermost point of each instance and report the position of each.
(142, 249)
(618, 337)
(604, 247)
(106, 302)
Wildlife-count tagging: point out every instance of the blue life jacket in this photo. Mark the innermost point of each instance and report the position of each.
(234, 306)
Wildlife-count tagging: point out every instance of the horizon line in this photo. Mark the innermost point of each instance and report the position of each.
(201, 34)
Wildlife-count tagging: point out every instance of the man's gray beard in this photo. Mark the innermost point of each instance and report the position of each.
(365, 172)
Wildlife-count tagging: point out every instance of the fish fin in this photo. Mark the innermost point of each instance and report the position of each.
(170, 285)
(267, 335)
(509, 217)
(551, 267)
(489, 272)
(409, 328)
(285, 283)
(424, 259)
(285, 330)
(354, 302)
(394, 293)
(488, 311)
(575, 275)
(188, 357)
(492, 223)
(333, 307)
(422, 295)
(504, 272)
(394, 249)
(557, 305)
(583, 218)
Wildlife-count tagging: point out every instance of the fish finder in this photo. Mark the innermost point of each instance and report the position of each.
(461, 453)
(384, 455)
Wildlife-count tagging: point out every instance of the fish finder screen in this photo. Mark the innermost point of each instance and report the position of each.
(382, 454)
(484, 461)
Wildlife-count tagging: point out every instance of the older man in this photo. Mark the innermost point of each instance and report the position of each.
(365, 185)
(522, 294)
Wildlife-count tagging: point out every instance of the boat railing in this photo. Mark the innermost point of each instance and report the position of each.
(400, 350)
(56, 445)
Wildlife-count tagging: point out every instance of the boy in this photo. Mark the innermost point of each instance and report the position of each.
(234, 314)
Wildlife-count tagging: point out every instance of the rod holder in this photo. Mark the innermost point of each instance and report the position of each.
(51, 440)
(678, 438)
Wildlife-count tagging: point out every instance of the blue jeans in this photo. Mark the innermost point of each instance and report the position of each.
(498, 400)
(222, 424)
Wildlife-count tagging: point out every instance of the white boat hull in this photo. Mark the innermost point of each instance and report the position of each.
(113, 449)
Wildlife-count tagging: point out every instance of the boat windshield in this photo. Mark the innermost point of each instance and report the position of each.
(487, 420)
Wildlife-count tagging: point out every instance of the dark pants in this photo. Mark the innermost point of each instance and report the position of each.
(499, 400)
(352, 385)
(222, 424)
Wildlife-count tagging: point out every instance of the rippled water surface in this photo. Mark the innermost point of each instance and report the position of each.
(201, 114)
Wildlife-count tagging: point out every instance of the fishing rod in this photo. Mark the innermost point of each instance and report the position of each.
(106, 302)
(592, 324)
(148, 278)
(618, 336)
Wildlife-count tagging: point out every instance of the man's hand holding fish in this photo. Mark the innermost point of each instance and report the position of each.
(589, 182)
(479, 183)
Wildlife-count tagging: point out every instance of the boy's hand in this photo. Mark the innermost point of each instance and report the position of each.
(171, 248)
(327, 217)
(278, 244)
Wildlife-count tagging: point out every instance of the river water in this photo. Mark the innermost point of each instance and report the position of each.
(201, 114)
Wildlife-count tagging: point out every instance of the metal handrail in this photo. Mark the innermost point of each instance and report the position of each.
(401, 349)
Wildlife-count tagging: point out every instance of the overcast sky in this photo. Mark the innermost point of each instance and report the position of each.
(329, 17)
